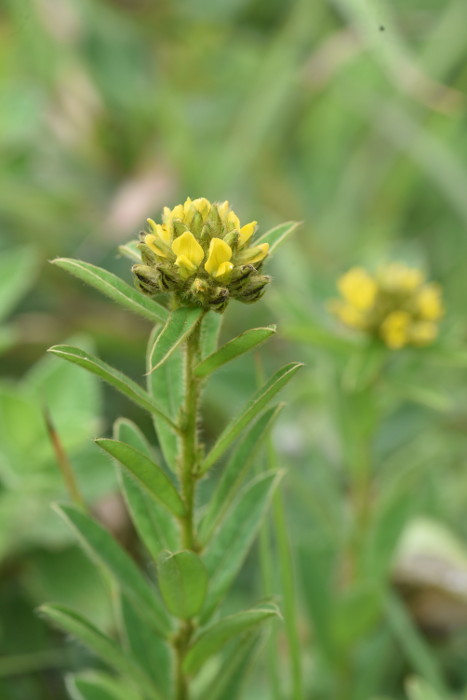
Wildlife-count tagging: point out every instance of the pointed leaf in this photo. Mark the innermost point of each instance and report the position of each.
(151, 652)
(154, 524)
(166, 387)
(18, 268)
(95, 685)
(103, 549)
(253, 407)
(117, 379)
(226, 551)
(147, 473)
(104, 647)
(237, 466)
(234, 348)
(179, 325)
(228, 681)
(211, 324)
(183, 581)
(115, 288)
(213, 638)
(277, 235)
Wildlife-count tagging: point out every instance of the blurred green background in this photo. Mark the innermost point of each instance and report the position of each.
(348, 115)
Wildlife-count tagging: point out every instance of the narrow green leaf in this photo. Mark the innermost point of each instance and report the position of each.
(104, 647)
(150, 651)
(18, 269)
(183, 581)
(212, 639)
(234, 348)
(117, 379)
(253, 407)
(228, 681)
(237, 466)
(166, 386)
(103, 549)
(179, 325)
(154, 524)
(227, 549)
(95, 685)
(129, 250)
(211, 324)
(147, 473)
(114, 288)
(417, 689)
(277, 235)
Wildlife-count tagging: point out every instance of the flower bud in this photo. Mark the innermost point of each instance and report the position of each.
(146, 279)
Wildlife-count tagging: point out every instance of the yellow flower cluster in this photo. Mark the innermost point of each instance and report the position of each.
(396, 304)
(202, 254)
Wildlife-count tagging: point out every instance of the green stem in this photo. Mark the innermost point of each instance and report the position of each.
(188, 470)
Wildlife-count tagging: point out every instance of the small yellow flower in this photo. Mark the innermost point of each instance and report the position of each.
(218, 263)
(395, 329)
(429, 303)
(202, 254)
(189, 253)
(396, 305)
(358, 288)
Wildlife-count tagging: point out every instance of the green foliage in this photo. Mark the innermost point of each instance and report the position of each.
(238, 346)
(183, 581)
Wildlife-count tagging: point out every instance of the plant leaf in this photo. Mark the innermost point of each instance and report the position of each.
(228, 681)
(183, 581)
(166, 387)
(253, 407)
(227, 549)
(103, 549)
(277, 235)
(237, 466)
(129, 250)
(211, 324)
(417, 689)
(155, 526)
(104, 647)
(117, 379)
(18, 268)
(234, 348)
(95, 685)
(114, 288)
(212, 639)
(179, 325)
(147, 473)
(151, 652)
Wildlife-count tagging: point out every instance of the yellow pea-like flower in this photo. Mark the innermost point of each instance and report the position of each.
(429, 302)
(358, 288)
(398, 276)
(246, 233)
(218, 263)
(423, 333)
(252, 255)
(189, 253)
(395, 329)
(159, 240)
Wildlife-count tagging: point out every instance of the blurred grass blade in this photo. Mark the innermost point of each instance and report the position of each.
(166, 387)
(210, 329)
(417, 689)
(179, 325)
(114, 288)
(277, 235)
(95, 685)
(18, 268)
(112, 376)
(147, 473)
(155, 526)
(130, 251)
(234, 348)
(236, 468)
(104, 647)
(226, 684)
(183, 582)
(152, 652)
(412, 644)
(226, 551)
(105, 551)
(211, 640)
(251, 410)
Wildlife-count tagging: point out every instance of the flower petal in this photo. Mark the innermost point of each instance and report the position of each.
(219, 252)
(187, 246)
(246, 233)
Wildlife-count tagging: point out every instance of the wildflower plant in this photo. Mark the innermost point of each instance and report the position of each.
(395, 305)
(200, 257)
